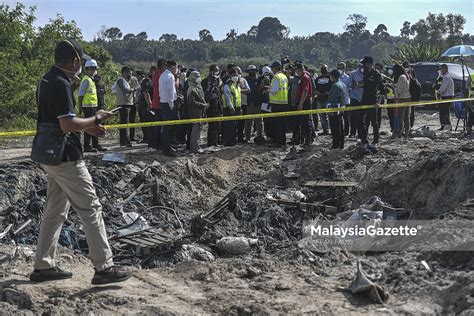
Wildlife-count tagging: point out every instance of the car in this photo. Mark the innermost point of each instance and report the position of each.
(427, 73)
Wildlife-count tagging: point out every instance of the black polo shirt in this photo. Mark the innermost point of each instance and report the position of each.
(55, 99)
(372, 84)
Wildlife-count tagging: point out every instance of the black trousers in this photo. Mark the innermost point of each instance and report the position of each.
(371, 117)
(230, 127)
(444, 111)
(213, 128)
(90, 112)
(126, 116)
(346, 116)
(146, 116)
(133, 119)
(391, 116)
(354, 118)
(302, 126)
(337, 130)
(167, 114)
(240, 124)
(279, 124)
(155, 140)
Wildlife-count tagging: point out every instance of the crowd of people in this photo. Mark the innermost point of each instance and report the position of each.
(171, 92)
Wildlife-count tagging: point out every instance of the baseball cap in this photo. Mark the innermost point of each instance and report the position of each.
(70, 48)
(251, 68)
(91, 64)
(276, 64)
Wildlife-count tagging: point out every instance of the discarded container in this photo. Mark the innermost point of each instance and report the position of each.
(236, 245)
(362, 285)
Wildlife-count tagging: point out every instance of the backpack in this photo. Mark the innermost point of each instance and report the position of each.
(415, 89)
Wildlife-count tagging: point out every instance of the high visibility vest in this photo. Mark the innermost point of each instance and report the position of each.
(90, 96)
(236, 96)
(390, 94)
(472, 86)
(281, 97)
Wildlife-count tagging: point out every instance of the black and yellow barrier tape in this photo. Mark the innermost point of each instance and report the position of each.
(254, 116)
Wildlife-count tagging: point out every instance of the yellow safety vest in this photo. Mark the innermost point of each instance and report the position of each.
(236, 96)
(471, 94)
(90, 96)
(390, 94)
(281, 97)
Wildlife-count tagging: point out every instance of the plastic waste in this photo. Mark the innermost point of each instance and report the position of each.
(236, 245)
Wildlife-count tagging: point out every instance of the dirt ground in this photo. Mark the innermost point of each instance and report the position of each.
(434, 177)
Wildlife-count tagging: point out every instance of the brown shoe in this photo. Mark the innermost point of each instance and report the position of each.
(112, 274)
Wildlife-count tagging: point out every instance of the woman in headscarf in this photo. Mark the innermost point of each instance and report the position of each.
(196, 108)
(402, 95)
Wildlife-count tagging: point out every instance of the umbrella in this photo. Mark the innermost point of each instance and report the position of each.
(459, 50)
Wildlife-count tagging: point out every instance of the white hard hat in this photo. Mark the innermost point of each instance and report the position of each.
(266, 70)
(91, 63)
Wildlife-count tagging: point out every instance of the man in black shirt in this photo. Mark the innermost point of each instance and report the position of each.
(323, 85)
(69, 183)
(144, 106)
(372, 84)
(212, 86)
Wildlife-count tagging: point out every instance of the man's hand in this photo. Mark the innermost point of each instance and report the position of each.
(98, 130)
(103, 115)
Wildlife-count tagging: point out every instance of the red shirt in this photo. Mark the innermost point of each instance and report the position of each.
(304, 84)
(155, 101)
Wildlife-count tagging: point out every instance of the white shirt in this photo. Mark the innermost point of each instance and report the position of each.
(447, 86)
(167, 88)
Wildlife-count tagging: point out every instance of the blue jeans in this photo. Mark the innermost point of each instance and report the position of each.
(323, 116)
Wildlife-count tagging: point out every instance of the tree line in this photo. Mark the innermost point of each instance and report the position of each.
(270, 37)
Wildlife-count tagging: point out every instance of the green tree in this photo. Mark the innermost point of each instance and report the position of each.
(271, 29)
(113, 33)
(356, 24)
(205, 36)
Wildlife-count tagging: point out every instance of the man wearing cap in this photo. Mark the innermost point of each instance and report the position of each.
(278, 103)
(69, 182)
(336, 99)
(88, 103)
(252, 106)
(372, 85)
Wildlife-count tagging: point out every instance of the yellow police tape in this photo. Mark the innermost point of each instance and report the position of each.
(254, 116)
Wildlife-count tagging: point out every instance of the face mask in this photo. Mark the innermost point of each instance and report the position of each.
(439, 73)
(390, 72)
(215, 74)
(198, 80)
(235, 79)
(340, 71)
(79, 71)
(362, 70)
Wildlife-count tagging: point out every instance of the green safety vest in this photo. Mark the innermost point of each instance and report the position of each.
(90, 96)
(236, 96)
(281, 97)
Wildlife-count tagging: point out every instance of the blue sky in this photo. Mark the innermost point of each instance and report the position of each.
(186, 17)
